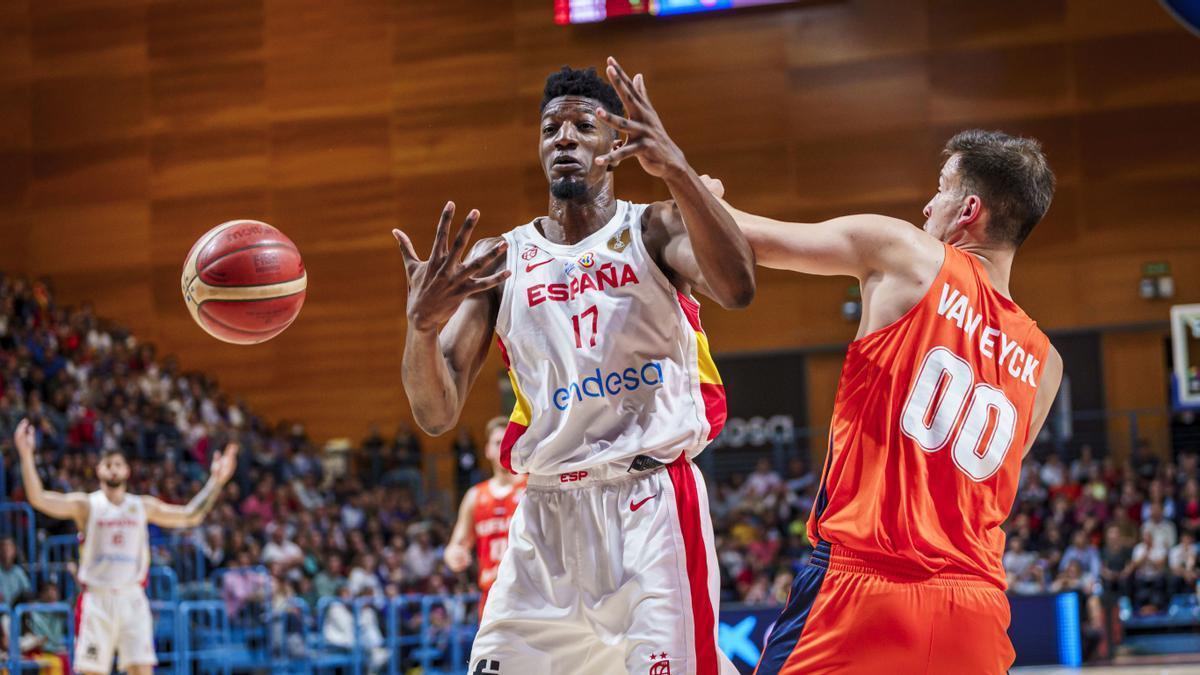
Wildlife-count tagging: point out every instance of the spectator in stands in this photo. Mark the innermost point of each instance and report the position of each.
(1072, 577)
(261, 504)
(1150, 574)
(329, 581)
(1017, 560)
(466, 462)
(47, 630)
(762, 480)
(1161, 530)
(1181, 560)
(1144, 461)
(14, 582)
(1053, 473)
(1082, 551)
(1084, 466)
(1116, 563)
(281, 551)
(1189, 507)
(341, 631)
(364, 576)
(371, 469)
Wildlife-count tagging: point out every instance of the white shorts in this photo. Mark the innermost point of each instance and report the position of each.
(109, 620)
(606, 572)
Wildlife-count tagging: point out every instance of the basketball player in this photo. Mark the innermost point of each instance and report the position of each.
(112, 612)
(483, 517)
(941, 395)
(610, 566)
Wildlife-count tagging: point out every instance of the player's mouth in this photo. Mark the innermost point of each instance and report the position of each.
(565, 164)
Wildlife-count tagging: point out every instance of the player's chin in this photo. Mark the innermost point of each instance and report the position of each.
(568, 187)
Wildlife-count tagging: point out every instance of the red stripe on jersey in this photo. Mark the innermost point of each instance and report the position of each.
(714, 407)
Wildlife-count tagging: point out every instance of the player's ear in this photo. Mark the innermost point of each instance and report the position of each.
(970, 211)
(616, 144)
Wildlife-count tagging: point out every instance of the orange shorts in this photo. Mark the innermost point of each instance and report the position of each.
(847, 616)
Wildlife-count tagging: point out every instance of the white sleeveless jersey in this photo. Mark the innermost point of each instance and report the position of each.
(608, 361)
(115, 549)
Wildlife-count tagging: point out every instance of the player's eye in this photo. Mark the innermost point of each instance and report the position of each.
(548, 129)
(586, 126)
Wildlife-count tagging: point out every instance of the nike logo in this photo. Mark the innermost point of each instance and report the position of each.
(634, 506)
(530, 268)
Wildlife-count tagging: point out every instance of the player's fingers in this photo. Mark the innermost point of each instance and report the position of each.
(407, 251)
(621, 123)
(639, 85)
(624, 79)
(616, 156)
(440, 239)
(485, 283)
(485, 260)
(464, 234)
(627, 95)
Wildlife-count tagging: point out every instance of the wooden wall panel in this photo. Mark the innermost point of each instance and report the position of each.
(129, 127)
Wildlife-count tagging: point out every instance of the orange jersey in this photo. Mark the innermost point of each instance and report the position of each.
(492, 515)
(930, 422)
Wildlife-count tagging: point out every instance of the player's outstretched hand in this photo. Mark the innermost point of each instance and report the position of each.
(224, 463)
(25, 438)
(646, 138)
(437, 286)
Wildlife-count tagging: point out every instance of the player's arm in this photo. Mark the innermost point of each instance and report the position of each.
(458, 550)
(192, 514)
(452, 309)
(64, 506)
(1048, 383)
(703, 245)
(856, 245)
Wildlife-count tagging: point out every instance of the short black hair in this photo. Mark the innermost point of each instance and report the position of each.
(586, 83)
(105, 454)
(1012, 177)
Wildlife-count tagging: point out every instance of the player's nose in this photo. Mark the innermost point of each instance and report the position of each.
(565, 138)
(928, 210)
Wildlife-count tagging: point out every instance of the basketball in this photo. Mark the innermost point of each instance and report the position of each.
(244, 282)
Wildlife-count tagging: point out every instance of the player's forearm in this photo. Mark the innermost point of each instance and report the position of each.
(430, 385)
(31, 481)
(202, 503)
(722, 252)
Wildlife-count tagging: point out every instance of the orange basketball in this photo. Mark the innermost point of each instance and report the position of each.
(244, 282)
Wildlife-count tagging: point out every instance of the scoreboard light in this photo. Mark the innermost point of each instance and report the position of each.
(594, 11)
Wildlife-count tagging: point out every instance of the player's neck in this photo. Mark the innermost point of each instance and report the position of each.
(997, 262)
(502, 478)
(571, 221)
(115, 495)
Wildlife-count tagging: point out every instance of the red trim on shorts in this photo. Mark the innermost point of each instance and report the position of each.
(79, 612)
(687, 504)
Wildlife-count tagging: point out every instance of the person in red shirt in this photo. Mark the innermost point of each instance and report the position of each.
(942, 393)
(484, 516)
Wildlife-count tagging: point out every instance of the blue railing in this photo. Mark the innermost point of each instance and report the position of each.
(17, 521)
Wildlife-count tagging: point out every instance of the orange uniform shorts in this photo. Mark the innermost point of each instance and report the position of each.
(849, 616)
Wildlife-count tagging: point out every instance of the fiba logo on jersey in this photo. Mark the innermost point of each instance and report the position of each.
(587, 260)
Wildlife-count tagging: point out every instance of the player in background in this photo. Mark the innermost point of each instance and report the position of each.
(610, 566)
(941, 395)
(483, 518)
(112, 613)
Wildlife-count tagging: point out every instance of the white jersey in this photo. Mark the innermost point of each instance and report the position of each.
(115, 549)
(608, 361)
